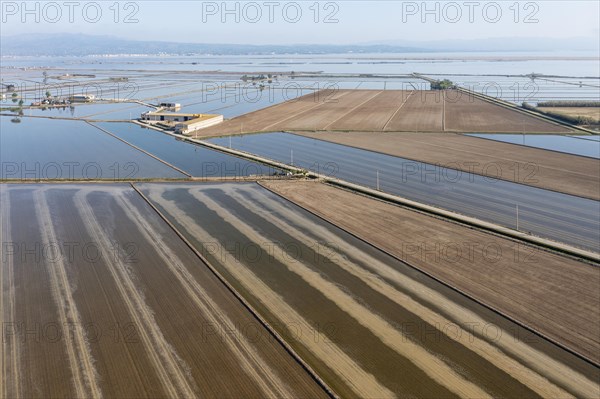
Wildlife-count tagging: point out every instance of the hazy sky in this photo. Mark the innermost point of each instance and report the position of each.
(285, 22)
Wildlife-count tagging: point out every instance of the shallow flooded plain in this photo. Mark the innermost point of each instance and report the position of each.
(100, 298)
(577, 145)
(545, 213)
(194, 159)
(370, 325)
(37, 148)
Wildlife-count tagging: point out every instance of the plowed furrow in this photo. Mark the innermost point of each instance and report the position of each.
(85, 377)
(170, 368)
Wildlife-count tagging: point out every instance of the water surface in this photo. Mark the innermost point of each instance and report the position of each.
(566, 144)
(194, 159)
(39, 148)
(545, 213)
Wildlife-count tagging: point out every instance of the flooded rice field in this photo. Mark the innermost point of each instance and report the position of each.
(36, 148)
(586, 146)
(185, 289)
(595, 138)
(367, 323)
(196, 160)
(101, 111)
(100, 298)
(118, 111)
(548, 214)
(574, 63)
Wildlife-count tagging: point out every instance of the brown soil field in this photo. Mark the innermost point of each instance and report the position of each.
(464, 113)
(554, 295)
(274, 116)
(589, 112)
(565, 173)
(100, 298)
(375, 114)
(323, 116)
(390, 110)
(367, 323)
(423, 112)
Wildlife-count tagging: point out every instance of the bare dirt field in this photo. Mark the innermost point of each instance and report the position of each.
(565, 173)
(391, 110)
(464, 113)
(422, 112)
(100, 298)
(323, 116)
(367, 323)
(554, 295)
(588, 112)
(375, 114)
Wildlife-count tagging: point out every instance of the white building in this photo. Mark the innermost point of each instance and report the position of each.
(181, 123)
(160, 116)
(198, 123)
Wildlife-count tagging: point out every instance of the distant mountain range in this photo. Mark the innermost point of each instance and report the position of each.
(81, 45)
(504, 44)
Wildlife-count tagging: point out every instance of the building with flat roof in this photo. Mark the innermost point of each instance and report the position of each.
(181, 123)
(201, 122)
(161, 116)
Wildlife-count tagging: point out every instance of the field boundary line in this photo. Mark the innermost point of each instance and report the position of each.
(530, 146)
(251, 361)
(166, 362)
(353, 109)
(133, 106)
(303, 133)
(464, 314)
(81, 361)
(261, 109)
(11, 356)
(141, 150)
(511, 106)
(242, 300)
(443, 282)
(271, 107)
(398, 110)
(265, 128)
(516, 108)
(470, 220)
(251, 178)
(444, 111)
